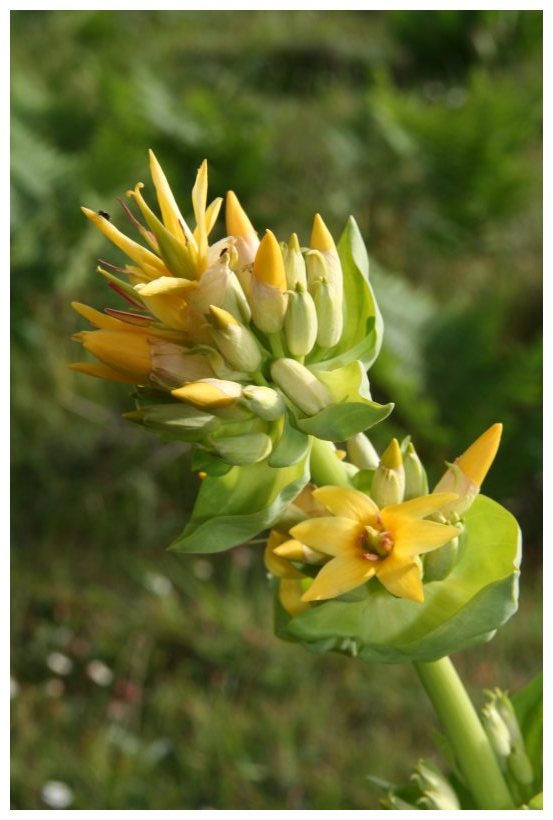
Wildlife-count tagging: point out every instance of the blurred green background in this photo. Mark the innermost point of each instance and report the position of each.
(146, 681)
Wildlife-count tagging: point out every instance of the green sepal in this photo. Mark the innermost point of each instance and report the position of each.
(352, 411)
(528, 705)
(291, 447)
(363, 326)
(232, 508)
(175, 422)
(464, 609)
(247, 448)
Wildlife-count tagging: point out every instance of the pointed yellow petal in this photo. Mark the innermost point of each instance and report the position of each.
(125, 350)
(348, 503)
(268, 266)
(294, 550)
(278, 567)
(401, 577)
(391, 457)
(418, 507)
(95, 317)
(333, 536)
(172, 217)
(222, 319)
(477, 460)
(199, 202)
(338, 576)
(133, 250)
(321, 238)
(236, 219)
(413, 537)
(212, 213)
(166, 284)
(101, 371)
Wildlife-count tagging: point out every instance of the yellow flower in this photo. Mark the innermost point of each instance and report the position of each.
(365, 541)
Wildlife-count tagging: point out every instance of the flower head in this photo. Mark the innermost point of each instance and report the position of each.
(364, 541)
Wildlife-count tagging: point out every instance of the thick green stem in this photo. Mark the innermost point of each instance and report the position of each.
(326, 467)
(466, 734)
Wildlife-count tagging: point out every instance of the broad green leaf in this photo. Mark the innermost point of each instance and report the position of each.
(528, 705)
(363, 326)
(353, 410)
(240, 504)
(464, 609)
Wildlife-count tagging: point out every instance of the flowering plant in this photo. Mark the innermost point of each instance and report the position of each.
(256, 353)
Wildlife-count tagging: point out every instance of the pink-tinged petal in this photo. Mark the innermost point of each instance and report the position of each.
(339, 576)
(402, 578)
(333, 536)
(348, 503)
(416, 537)
(418, 507)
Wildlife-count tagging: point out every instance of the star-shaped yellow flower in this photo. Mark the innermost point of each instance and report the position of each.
(365, 541)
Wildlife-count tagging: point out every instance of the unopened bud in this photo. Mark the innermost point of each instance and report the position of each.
(497, 731)
(209, 394)
(321, 240)
(316, 268)
(248, 448)
(329, 313)
(439, 563)
(234, 341)
(362, 453)
(511, 748)
(239, 226)
(300, 323)
(172, 366)
(416, 482)
(300, 386)
(294, 550)
(294, 264)
(437, 792)
(388, 485)
(263, 401)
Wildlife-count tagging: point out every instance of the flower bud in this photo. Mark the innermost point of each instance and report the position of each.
(268, 298)
(466, 475)
(234, 341)
(239, 226)
(321, 240)
(388, 485)
(437, 792)
(329, 313)
(294, 264)
(416, 482)
(248, 448)
(263, 401)
(300, 386)
(501, 724)
(300, 323)
(209, 394)
(173, 366)
(294, 550)
(498, 733)
(362, 453)
(439, 563)
(316, 268)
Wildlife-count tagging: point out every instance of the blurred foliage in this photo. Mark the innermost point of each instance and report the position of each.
(427, 127)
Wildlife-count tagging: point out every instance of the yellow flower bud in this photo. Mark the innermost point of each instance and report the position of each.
(239, 226)
(209, 394)
(234, 341)
(388, 485)
(268, 266)
(294, 264)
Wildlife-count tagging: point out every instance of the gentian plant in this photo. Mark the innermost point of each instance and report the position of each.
(256, 353)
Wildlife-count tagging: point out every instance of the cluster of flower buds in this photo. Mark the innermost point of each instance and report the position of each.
(503, 730)
(225, 342)
(377, 531)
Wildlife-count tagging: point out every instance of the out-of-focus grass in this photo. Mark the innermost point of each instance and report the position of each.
(426, 126)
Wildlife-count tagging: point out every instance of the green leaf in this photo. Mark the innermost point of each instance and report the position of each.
(462, 610)
(234, 507)
(353, 410)
(528, 705)
(291, 446)
(363, 326)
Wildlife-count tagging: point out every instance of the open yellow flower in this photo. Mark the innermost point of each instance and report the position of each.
(365, 541)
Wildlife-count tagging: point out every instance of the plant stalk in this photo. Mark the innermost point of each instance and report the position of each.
(466, 734)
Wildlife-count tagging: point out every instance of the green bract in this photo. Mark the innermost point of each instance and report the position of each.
(466, 608)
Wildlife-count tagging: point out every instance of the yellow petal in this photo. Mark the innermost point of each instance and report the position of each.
(165, 284)
(222, 319)
(268, 266)
(401, 577)
(278, 567)
(236, 219)
(418, 507)
(212, 213)
(207, 395)
(172, 217)
(413, 537)
(95, 317)
(333, 536)
(348, 503)
(101, 371)
(133, 250)
(294, 550)
(339, 576)
(477, 460)
(290, 596)
(199, 202)
(321, 238)
(127, 351)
